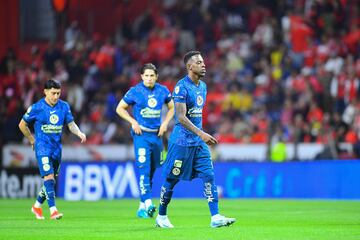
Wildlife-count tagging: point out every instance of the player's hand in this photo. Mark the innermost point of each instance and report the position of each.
(82, 136)
(208, 139)
(136, 127)
(163, 129)
(32, 143)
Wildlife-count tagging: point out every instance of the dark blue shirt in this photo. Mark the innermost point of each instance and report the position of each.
(194, 96)
(48, 124)
(147, 104)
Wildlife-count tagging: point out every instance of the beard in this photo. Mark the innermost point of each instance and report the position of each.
(202, 73)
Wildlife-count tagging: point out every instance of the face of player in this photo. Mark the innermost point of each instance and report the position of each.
(149, 78)
(197, 65)
(52, 96)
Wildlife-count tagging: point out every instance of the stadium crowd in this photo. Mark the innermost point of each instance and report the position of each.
(286, 70)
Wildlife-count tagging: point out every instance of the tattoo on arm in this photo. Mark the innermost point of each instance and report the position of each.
(181, 115)
(74, 128)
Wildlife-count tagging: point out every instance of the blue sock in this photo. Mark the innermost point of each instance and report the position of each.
(166, 194)
(50, 192)
(210, 192)
(41, 196)
(145, 187)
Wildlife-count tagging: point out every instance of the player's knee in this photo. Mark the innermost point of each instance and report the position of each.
(49, 177)
(209, 178)
(170, 183)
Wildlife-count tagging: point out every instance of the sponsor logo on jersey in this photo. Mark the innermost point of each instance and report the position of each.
(150, 113)
(49, 128)
(195, 112)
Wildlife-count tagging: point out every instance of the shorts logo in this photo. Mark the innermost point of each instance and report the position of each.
(178, 163)
(141, 151)
(152, 102)
(199, 100)
(141, 159)
(176, 171)
(54, 118)
(177, 89)
(46, 167)
(28, 110)
(45, 160)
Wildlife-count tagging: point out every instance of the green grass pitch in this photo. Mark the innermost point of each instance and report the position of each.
(115, 219)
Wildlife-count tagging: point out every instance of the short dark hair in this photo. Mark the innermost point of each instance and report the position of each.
(148, 66)
(52, 83)
(189, 54)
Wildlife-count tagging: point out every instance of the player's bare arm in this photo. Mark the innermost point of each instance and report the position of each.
(169, 116)
(181, 115)
(27, 133)
(124, 114)
(73, 127)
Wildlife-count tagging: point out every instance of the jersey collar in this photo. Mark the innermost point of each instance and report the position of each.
(191, 81)
(49, 104)
(143, 85)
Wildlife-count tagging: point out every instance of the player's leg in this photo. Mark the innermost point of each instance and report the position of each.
(48, 169)
(166, 193)
(36, 208)
(156, 159)
(203, 168)
(143, 161)
(175, 168)
(44, 169)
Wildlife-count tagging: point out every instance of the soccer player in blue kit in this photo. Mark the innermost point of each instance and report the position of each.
(147, 99)
(188, 154)
(48, 115)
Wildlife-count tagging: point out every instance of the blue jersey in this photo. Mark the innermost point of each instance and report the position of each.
(194, 96)
(147, 104)
(48, 124)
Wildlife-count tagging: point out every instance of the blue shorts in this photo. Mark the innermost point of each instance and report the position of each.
(188, 162)
(48, 158)
(148, 148)
(48, 165)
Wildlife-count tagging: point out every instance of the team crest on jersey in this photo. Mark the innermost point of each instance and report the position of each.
(177, 89)
(152, 102)
(176, 171)
(199, 100)
(54, 119)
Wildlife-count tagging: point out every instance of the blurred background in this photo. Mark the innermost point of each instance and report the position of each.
(283, 80)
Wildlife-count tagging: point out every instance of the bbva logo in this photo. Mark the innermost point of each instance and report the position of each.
(93, 182)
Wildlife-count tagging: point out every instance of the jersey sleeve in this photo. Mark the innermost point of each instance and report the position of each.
(68, 115)
(168, 95)
(179, 94)
(31, 113)
(129, 97)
